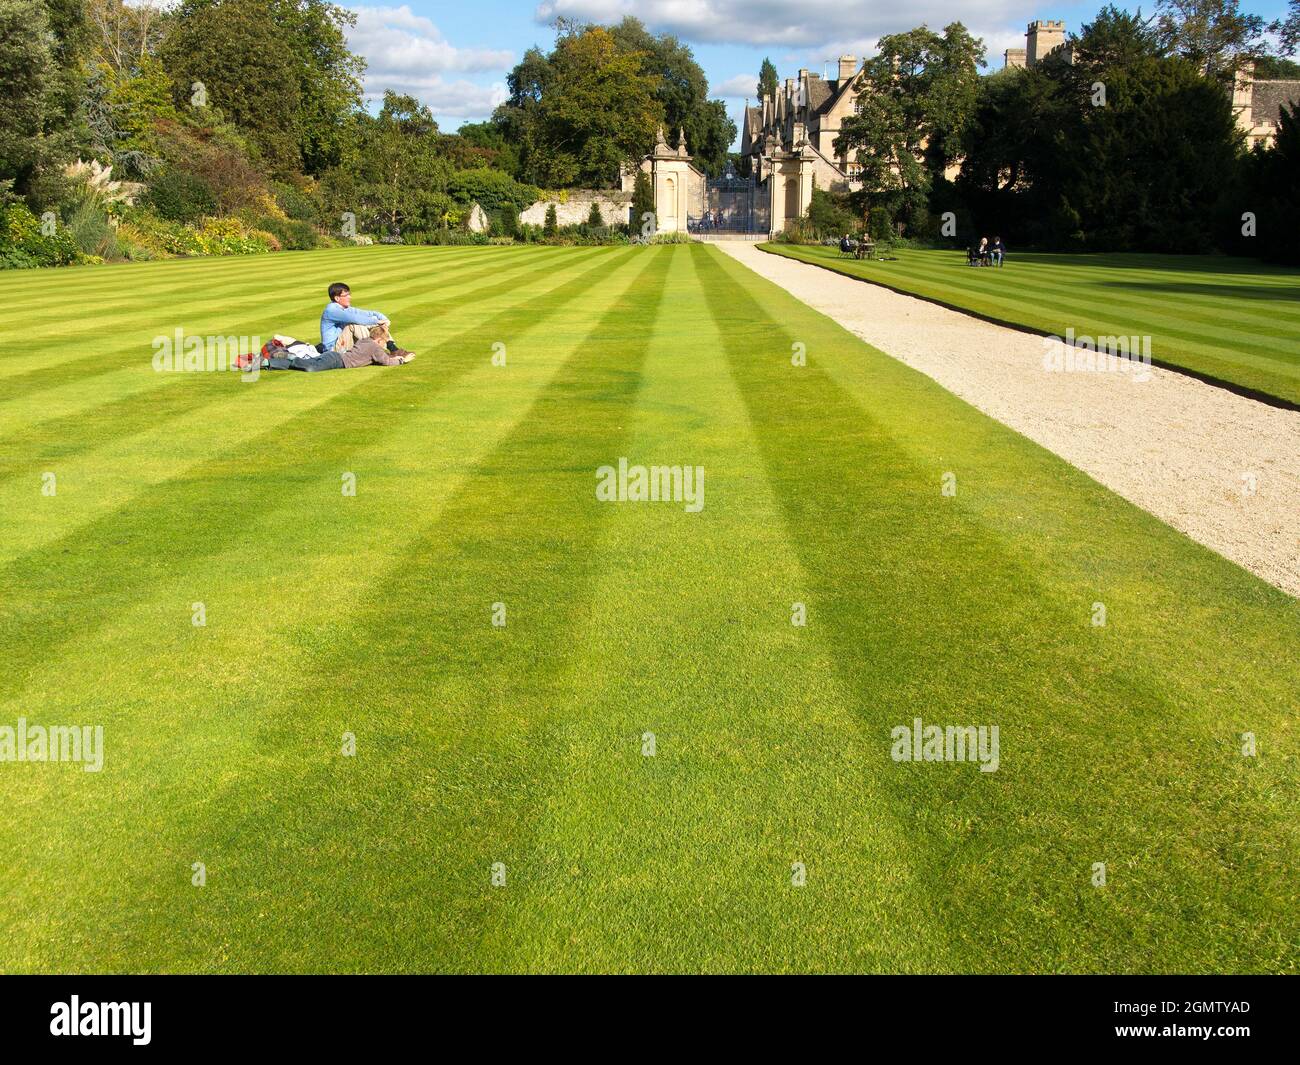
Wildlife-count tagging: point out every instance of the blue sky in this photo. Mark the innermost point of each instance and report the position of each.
(455, 56)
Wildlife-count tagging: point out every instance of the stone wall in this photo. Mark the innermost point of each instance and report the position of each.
(614, 207)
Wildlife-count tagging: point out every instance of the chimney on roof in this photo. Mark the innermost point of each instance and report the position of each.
(848, 66)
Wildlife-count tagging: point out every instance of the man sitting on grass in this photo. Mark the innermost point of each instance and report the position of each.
(372, 350)
(342, 325)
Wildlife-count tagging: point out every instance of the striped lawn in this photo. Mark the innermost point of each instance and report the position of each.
(1235, 320)
(523, 745)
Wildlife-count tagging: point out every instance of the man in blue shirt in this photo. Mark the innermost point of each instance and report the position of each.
(339, 318)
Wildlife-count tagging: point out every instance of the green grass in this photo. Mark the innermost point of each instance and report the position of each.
(522, 745)
(1234, 320)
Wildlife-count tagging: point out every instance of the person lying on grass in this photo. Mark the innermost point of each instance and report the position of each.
(372, 350)
(342, 325)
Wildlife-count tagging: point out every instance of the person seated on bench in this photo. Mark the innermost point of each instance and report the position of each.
(984, 251)
(972, 257)
(997, 252)
(846, 246)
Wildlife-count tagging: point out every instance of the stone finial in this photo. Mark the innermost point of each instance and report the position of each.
(681, 144)
(660, 141)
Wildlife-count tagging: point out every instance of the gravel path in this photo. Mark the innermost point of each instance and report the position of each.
(1221, 468)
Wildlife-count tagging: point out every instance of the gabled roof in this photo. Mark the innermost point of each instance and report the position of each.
(1267, 98)
(819, 94)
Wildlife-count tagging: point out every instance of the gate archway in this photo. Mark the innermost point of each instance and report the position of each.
(733, 206)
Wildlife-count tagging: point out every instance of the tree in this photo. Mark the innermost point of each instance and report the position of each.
(767, 80)
(1272, 68)
(643, 203)
(1272, 194)
(485, 144)
(217, 53)
(122, 35)
(594, 218)
(398, 178)
(552, 223)
(919, 97)
(1288, 29)
(135, 101)
(683, 92)
(490, 189)
(1014, 176)
(1160, 154)
(41, 84)
(280, 69)
(582, 112)
(1115, 39)
(509, 219)
(1215, 35)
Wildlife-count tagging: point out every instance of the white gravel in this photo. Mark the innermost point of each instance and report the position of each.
(1223, 469)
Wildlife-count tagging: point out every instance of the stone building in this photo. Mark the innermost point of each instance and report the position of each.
(1043, 37)
(1258, 105)
(788, 141)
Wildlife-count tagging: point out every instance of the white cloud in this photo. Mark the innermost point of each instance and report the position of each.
(406, 52)
(741, 87)
(791, 23)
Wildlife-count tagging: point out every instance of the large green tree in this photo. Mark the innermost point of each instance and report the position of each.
(683, 92)
(1125, 148)
(1215, 35)
(919, 97)
(767, 80)
(582, 111)
(280, 69)
(1271, 194)
(394, 176)
(42, 44)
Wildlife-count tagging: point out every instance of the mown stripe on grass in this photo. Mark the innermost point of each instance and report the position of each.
(1242, 351)
(46, 291)
(932, 614)
(102, 478)
(189, 760)
(260, 476)
(259, 315)
(34, 439)
(452, 713)
(685, 861)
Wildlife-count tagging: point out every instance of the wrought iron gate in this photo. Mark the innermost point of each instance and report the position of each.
(733, 205)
